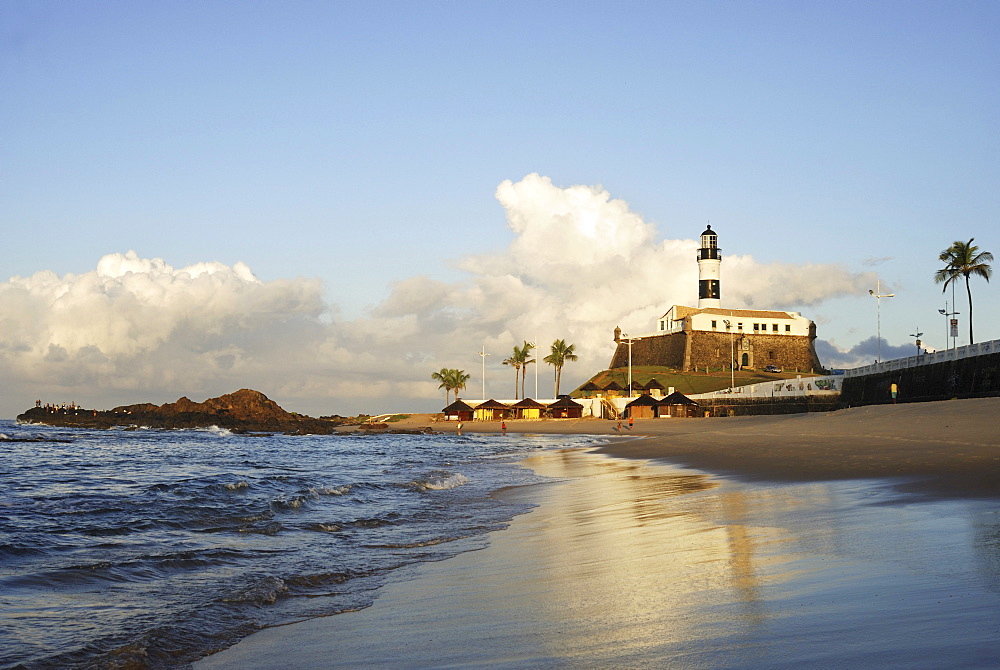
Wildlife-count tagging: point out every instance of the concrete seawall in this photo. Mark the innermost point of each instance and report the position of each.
(972, 377)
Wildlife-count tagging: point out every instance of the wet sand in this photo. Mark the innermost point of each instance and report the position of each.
(943, 448)
(628, 562)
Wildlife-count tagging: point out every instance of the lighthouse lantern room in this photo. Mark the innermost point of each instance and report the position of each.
(709, 264)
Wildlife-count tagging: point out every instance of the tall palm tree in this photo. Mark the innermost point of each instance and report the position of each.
(458, 380)
(515, 361)
(451, 380)
(511, 361)
(527, 360)
(964, 259)
(561, 354)
(444, 376)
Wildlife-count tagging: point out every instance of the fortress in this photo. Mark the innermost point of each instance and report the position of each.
(690, 338)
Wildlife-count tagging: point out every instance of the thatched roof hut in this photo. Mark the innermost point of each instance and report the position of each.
(654, 387)
(678, 404)
(458, 411)
(613, 388)
(528, 409)
(492, 410)
(566, 408)
(636, 387)
(643, 407)
(590, 389)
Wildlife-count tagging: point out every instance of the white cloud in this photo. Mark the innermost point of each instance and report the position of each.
(580, 263)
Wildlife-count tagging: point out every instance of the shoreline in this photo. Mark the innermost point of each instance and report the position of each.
(945, 448)
(629, 562)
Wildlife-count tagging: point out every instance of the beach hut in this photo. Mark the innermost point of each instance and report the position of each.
(613, 389)
(458, 411)
(492, 410)
(590, 389)
(654, 388)
(566, 408)
(678, 404)
(643, 407)
(528, 409)
(635, 388)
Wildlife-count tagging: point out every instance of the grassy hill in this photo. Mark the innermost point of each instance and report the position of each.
(687, 382)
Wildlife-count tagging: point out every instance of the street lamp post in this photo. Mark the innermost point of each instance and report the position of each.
(917, 335)
(878, 295)
(950, 330)
(535, 346)
(629, 340)
(484, 355)
(732, 356)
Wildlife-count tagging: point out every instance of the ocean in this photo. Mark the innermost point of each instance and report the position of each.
(151, 549)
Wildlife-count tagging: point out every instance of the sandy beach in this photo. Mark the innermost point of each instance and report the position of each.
(791, 541)
(950, 447)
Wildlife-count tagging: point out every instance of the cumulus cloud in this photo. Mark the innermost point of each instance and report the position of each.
(579, 264)
(137, 323)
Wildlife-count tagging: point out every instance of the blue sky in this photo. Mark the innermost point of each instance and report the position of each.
(353, 152)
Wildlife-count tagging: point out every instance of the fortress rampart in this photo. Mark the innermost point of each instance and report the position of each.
(691, 349)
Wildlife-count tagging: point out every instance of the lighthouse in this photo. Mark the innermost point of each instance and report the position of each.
(709, 262)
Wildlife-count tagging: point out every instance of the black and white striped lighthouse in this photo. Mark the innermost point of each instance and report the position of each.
(709, 265)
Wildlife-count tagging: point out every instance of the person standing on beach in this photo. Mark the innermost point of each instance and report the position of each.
(459, 427)
(503, 427)
(631, 422)
(893, 389)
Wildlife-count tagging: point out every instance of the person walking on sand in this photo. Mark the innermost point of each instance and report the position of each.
(630, 422)
(503, 427)
(619, 426)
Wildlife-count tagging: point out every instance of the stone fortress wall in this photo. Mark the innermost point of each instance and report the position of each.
(692, 350)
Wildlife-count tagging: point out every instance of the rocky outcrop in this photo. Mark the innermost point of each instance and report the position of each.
(243, 411)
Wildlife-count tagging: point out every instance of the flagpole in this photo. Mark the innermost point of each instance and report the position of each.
(536, 369)
(484, 355)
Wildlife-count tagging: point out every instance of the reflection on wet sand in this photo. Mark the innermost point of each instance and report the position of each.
(627, 563)
(662, 570)
(675, 562)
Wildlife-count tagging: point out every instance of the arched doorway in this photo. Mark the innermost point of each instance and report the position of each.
(746, 360)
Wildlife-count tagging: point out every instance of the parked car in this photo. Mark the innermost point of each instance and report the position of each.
(772, 368)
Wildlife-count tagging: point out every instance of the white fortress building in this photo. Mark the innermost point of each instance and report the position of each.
(689, 338)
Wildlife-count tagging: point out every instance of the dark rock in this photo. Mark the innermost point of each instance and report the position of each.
(245, 411)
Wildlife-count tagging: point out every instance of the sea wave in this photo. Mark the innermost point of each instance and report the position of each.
(177, 542)
(417, 545)
(270, 528)
(263, 592)
(451, 481)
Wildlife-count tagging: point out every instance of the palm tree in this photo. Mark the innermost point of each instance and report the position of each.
(514, 361)
(444, 376)
(527, 360)
(517, 369)
(451, 380)
(964, 259)
(519, 360)
(561, 354)
(458, 381)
